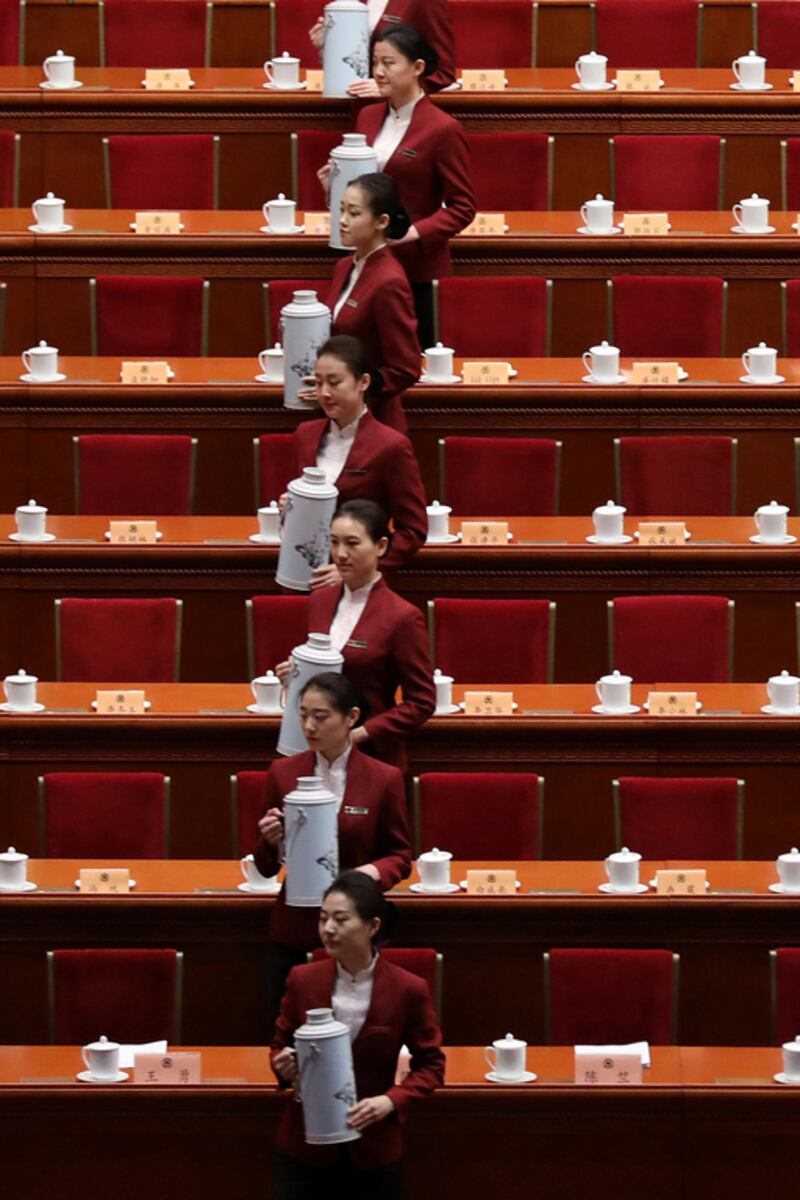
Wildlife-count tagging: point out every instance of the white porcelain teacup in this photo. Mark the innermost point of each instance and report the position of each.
(101, 1059)
(591, 71)
(268, 692)
(614, 691)
(750, 70)
(279, 214)
(13, 869)
(791, 1060)
(272, 363)
(444, 691)
(269, 522)
(784, 692)
(20, 690)
(257, 881)
(48, 212)
(602, 362)
(788, 866)
(771, 521)
(41, 362)
(622, 869)
(761, 362)
(59, 69)
(434, 869)
(506, 1057)
(439, 362)
(752, 213)
(438, 521)
(598, 214)
(283, 71)
(608, 521)
(31, 520)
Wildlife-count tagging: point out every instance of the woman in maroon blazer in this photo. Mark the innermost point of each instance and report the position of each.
(385, 1008)
(370, 297)
(430, 17)
(373, 825)
(363, 457)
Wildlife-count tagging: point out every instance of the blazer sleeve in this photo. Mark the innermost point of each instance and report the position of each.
(436, 27)
(453, 169)
(413, 659)
(406, 503)
(400, 352)
(393, 844)
(424, 1039)
(268, 858)
(290, 1018)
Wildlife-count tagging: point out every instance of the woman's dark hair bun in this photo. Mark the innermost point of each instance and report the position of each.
(412, 45)
(381, 196)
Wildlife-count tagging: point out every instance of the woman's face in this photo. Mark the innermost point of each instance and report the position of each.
(342, 931)
(353, 551)
(357, 224)
(340, 394)
(395, 75)
(325, 728)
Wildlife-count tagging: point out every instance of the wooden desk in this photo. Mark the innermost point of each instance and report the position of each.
(684, 1127)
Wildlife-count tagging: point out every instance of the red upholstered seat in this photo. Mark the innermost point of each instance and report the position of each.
(417, 960)
(138, 475)
(493, 815)
(118, 641)
(275, 465)
(679, 818)
(311, 149)
(12, 14)
(674, 639)
(662, 315)
(786, 993)
(248, 799)
(647, 33)
(493, 36)
(508, 477)
(9, 154)
(128, 995)
(779, 33)
(492, 316)
(99, 814)
(276, 624)
(293, 19)
(660, 173)
(150, 316)
(493, 641)
(610, 996)
(525, 186)
(279, 293)
(659, 476)
(162, 171)
(155, 33)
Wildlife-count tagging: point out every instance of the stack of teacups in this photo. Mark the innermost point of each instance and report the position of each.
(101, 1059)
(268, 693)
(283, 72)
(279, 215)
(507, 1060)
(761, 365)
(48, 215)
(614, 694)
(771, 522)
(598, 216)
(439, 364)
(791, 1062)
(13, 871)
(609, 526)
(444, 692)
(752, 215)
(255, 881)
(784, 694)
(59, 69)
(434, 870)
(602, 364)
(622, 869)
(591, 71)
(750, 71)
(41, 364)
(438, 522)
(20, 692)
(269, 523)
(788, 866)
(272, 362)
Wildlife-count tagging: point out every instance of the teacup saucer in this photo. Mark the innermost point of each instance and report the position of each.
(56, 229)
(759, 87)
(131, 885)
(49, 86)
(593, 379)
(698, 706)
(753, 232)
(88, 1077)
(514, 706)
(425, 378)
(628, 711)
(783, 1078)
(463, 884)
(272, 890)
(448, 712)
(31, 541)
(608, 86)
(445, 891)
(147, 705)
(586, 231)
(687, 535)
(525, 1077)
(264, 379)
(781, 889)
(264, 712)
(260, 540)
(27, 886)
(594, 540)
(766, 379)
(132, 226)
(608, 890)
(58, 378)
(786, 540)
(285, 87)
(22, 712)
(447, 540)
(107, 536)
(772, 711)
(282, 232)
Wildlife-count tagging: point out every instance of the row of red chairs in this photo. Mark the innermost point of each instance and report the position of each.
(591, 996)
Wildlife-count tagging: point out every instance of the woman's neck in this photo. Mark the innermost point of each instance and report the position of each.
(342, 424)
(376, 243)
(336, 751)
(401, 100)
(353, 584)
(357, 960)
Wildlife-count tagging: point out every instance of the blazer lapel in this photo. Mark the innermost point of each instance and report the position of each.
(363, 622)
(377, 1002)
(417, 122)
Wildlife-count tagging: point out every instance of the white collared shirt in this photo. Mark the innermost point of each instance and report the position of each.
(352, 995)
(393, 130)
(348, 613)
(376, 9)
(335, 446)
(356, 272)
(334, 774)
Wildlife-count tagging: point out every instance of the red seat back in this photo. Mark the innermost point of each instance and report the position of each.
(696, 474)
(779, 33)
(138, 475)
(787, 994)
(680, 818)
(793, 174)
(10, 17)
(488, 816)
(162, 171)
(493, 36)
(119, 641)
(99, 814)
(8, 162)
(275, 465)
(611, 996)
(313, 148)
(526, 186)
(494, 316)
(293, 19)
(249, 798)
(657, 316)
(149, 316)
(672, 639)
(279, 624)
(155, 33)
(666, 172)
(280, 293)
(492, 641)
(505, 477)
(647, 33)
(128, 995)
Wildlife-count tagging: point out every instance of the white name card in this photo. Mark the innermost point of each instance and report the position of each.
(486, 224)
(638, 81)
(672, 704)
(649, 373)
(662, 533)
(174, 1070)
(157, 224)
(120, 703)
(488, 704)
(108, 880)
(796, 81)
(681, 883)
(317, 224)
(483, 81)
(314, 80)
(492, 883)
(144, 372)
(486, 374)
(176, 80)
(125, 533)
(615, 1070)
(484, 533)
(645, 224)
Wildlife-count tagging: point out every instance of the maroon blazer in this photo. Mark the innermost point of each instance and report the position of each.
(400, 1014)
(381, 466)
(431, 167)
(432, 19)
(388, 649)
(373, 828)
(380, 313)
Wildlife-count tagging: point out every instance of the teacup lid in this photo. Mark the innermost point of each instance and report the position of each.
(599, 199)
(790, 856)
(41, 348)
(753, 196)
(270, 508)
(276, 350)
(616, 677)
(604, 348)
(12, 856)
(285, 57)
(611, 507)
(752, 54)
(436, 507)
(624, 856)
(60, 54)
(269, 677)
(438, 677)
(439, 348)
(773, 507)
(31, 507)
(592, 57)
(102, 1043)
(509, 1042)
(795, 1045)
(280, 201)
(784, 677)
(22, 676)
(50, 198)
(435, 855)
